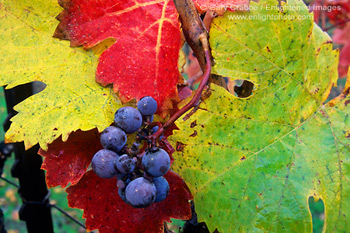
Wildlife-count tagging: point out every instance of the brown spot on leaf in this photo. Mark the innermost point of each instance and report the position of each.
(324, 114)
(347, 102)
(243, 158)
(347, 135)
(268, 49)
(206, 95)
(180, 146)
(194, 134)
(193, 124)
(346, 90)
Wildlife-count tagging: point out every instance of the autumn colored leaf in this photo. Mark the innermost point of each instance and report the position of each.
(263, 156)
(66, 162)
(106, 211)
(144, 59)
(72, 99)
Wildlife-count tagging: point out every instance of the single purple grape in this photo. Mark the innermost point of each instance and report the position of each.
(103, 163)
(156, 163)
(128, 119)
(121, 193)
(113, 138)
(147, 106)
(154, 130)
(140, 193)
(125, 164)
(162, 187)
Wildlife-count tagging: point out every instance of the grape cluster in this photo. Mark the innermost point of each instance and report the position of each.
(139, 173)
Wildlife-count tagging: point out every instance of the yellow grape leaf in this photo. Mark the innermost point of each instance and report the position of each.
(72, 99)
(252, 163)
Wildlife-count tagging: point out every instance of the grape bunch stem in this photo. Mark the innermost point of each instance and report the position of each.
(197, 37)
(194, 101)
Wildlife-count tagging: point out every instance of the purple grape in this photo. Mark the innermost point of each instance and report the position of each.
(147, 106)
(162, 187)
(121, 193)
(154, 130)
(148, 119)
(103, 163)
(134, 150)
(156, 163)
(125, 164)
(120, 176)
(113, 138)
(128, 119)
(140, 193)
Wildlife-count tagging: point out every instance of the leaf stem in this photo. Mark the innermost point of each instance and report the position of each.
(197, 37)
(194, 101)
(192, 28)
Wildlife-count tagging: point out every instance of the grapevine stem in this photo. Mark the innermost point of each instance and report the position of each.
(192, 28)
(194, 101)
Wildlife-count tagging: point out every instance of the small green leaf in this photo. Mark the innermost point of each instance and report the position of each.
(251, 163)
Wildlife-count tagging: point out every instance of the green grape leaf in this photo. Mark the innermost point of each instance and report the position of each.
(252, 163)
(72, 99)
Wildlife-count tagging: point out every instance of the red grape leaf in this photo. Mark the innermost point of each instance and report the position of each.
(106, 211)
(66, 162)
(143, 60)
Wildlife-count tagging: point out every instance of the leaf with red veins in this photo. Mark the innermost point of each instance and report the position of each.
(106, 211)
(66, 162)
(143, 60)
